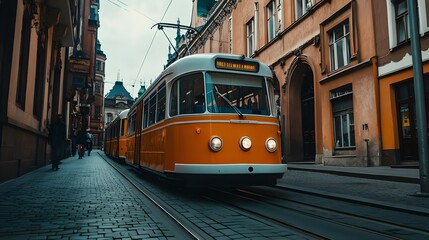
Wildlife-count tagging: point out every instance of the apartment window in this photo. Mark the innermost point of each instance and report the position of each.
(23, 58)
(97, 86)
(279, 15)
(342, 110)
(109, 117)
(302, 7)
(271, 20)
(250, 37)
(40, 75)
(401, 20)
(339, 46)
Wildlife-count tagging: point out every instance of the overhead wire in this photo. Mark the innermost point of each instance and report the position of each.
(124, 6)
(150, 46)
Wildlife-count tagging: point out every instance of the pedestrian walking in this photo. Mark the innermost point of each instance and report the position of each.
(89, 142)
(81, 142)
(57, 139)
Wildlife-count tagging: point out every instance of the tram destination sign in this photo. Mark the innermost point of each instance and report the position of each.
(237, 65)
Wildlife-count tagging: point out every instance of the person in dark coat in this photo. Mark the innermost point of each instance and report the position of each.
(81, 140)
(57, 136)
(89, 142)
(73, 142)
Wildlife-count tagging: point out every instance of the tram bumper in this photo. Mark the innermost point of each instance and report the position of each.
(230, 174)
(230, 168)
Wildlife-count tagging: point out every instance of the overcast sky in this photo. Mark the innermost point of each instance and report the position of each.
(125, 35)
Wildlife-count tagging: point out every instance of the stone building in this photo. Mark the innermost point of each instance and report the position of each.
(34, 41)
(117, 100)
(47, 68)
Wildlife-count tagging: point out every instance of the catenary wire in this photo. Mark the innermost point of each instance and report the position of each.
(150, 46)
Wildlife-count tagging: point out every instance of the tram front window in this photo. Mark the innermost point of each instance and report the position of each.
(228, 93)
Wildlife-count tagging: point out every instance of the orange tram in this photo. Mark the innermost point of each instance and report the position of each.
(207, 119)
(115, 136)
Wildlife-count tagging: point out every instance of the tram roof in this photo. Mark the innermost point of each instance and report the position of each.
(124, 113)
(206, 61)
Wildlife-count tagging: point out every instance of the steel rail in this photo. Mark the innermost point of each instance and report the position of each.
(261, 199)
(134, 183)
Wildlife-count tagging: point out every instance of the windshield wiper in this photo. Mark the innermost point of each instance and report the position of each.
(229, 102)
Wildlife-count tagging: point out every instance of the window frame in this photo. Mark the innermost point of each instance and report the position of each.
(343, 94)
(346, 14)
(271, 20)
(24, 57)
(302, 7)
(391, 22)
(403, 18)
(175, 96)
(334, 43)
(250, 37)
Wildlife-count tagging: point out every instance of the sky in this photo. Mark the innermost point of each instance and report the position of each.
(126, 34)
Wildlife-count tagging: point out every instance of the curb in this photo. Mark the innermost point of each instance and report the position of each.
(361, 175)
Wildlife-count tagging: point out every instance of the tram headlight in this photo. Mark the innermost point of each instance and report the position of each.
(271, 145)
(245, 143)
(215, 144)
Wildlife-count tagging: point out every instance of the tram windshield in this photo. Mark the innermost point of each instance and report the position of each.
(241, 94)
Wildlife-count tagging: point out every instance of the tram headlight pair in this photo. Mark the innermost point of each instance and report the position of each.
(216, 144)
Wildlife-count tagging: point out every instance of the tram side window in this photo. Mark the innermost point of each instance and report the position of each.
(115, 131)
(152, 109)
(187, 95)
(122, 127)
(132, 124)
(145, 113)
(161, 103)
(174, 100)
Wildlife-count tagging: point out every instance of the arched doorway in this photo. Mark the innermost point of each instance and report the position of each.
(302, 147)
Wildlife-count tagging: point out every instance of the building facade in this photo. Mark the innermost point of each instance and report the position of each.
(395, 74)
(343, 67)
(34, 37)
(117, 100)
(48, 56)
(86, 73)
(97, 109)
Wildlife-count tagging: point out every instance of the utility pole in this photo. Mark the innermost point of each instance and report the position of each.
(419, 97)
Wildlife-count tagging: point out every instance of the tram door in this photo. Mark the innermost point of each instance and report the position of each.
(406, 110)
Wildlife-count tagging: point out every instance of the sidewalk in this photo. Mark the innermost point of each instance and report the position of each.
(84, 199)
(392, 187)
(407, 175)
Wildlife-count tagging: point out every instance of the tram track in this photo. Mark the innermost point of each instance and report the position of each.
(420, 214)
(324, 222)
(305, 214)
(226, 228)
(188, 228)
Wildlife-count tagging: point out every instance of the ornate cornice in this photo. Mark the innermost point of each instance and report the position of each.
(215, 18)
